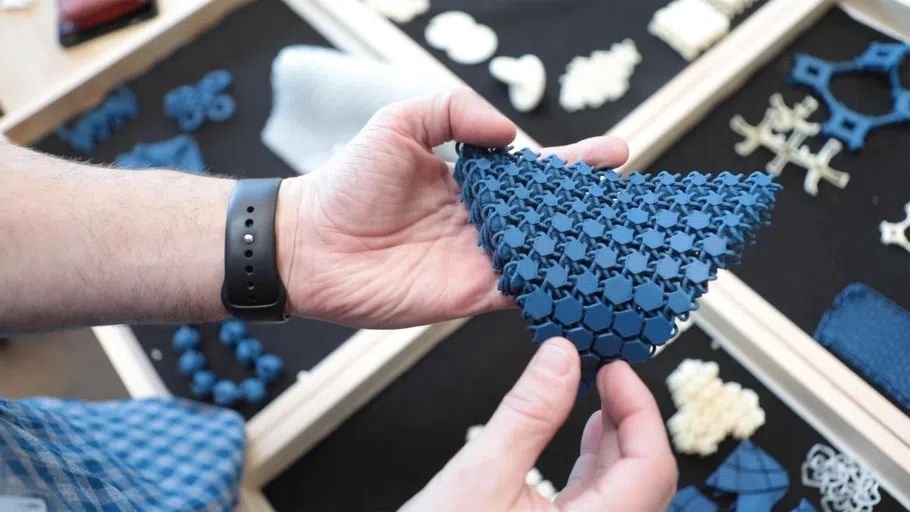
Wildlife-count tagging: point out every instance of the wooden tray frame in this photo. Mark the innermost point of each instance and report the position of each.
(815, 384)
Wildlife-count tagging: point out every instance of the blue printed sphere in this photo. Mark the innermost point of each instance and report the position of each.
(248, 350)
(191, 362)
(232, 331)
(226, 393)
(203, 383)
(269, 367)
(253, 390)
(186, 338)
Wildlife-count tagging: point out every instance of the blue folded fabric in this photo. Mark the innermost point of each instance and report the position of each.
(872, 335)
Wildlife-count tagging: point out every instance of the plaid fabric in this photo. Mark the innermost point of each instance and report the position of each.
(150, 454)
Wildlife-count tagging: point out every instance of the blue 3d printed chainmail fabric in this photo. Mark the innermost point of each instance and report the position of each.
(871, 334)
(133, 455)
(608, 262)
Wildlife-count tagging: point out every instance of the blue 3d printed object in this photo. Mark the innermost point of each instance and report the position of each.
(846, 124)
(609, 263)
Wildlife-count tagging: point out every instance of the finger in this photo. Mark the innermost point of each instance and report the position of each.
(532, 412)
(461, 115)
(604, 151)
(585, 468)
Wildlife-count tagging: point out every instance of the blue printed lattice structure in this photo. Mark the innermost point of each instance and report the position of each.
(608, 263)
(757, 480)
(689, 499)
(181, 153)
(192, 105)
(870, 333)
(99, 124)
(846, 124)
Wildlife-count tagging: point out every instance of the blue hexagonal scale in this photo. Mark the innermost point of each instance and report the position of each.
(575, 250)
(605, 257)
(653, 239)
(667, 219)
(658, 330)
(608, 344)
(561, 222)
(592, 228)
(513, 237)
(567, 311)
(556, 276)
(598, 316)
(527, 268)
(537, 304)
(679, 302)
(618, 290)
(545, 331)
(681, 242)
(715, 245)
(621, 235)
(697, 272)
(636, 351)
(637, 216)
(668, 268)
(586, 283)
(636, 262)
(649, 296)
(699, 220)
(627, 323)
(544, 245)
(581, 338)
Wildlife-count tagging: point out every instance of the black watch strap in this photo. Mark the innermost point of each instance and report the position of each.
(253, 290)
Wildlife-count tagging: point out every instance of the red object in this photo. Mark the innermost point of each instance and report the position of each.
(80, 20)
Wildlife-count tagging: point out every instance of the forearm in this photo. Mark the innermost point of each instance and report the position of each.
(84, 245)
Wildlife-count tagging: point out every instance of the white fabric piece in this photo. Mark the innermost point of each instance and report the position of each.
(526, 78)
(590, 82)
(323, 97)
(463, 39)
(731, 7)
(399, 11)
(689, 26)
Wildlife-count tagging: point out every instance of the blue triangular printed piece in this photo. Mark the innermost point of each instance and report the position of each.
(608, 262)
(689, 499)
(181, 153)
(755, 477)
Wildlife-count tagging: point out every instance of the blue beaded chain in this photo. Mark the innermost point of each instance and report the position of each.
(192, 105)
(233, 333)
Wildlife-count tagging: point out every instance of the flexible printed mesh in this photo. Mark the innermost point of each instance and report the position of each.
(608, 263)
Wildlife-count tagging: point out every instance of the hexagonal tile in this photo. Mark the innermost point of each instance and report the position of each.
(531, 217)
(667, 268)
(513, 237)
(652, 238)
(714, 199)
(621, 235)
(682, 198)
(545, 331)
(567, 183)
(556, 276)
(715, 245)
(732, 219)
(681, 242)
(491, 184)
(628, 323)
(561, 222)
(598, 316)
(549, 199)
(636, 262)
(624, 197)
(592, 228)
(581, 338)
(608, 212)
(605, 257)
(575, 250)
(699, 220)
(746, 199)
(539, 177)
(637, 216)
(527, 268)
(537, 304)
(618, 290)
(697, 178)
(649, 296)
(657, 330)
(596, 191)
(608, 344)
(637, 178)
(679, 302)
(579, 206)
(567, 310)
(636, 351)
(512, 170)
(650, 198)
(521, 192)
(729, 179)
(667, 219)
(503, 209)
(586, 283)
(697, 272)
(544, 245)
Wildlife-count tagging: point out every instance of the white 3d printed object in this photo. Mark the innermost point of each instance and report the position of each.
(323, 97)
(780, 119)
(463, 39)
(846, 486)
(399, 11)
(604, 76)
(731, 7)
(526, 78)
(689, 26)
(709, 409)
(896, 233)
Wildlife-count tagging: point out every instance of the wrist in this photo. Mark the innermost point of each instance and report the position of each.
(288, 221)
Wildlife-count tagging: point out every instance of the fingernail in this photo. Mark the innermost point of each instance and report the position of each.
(554, 360)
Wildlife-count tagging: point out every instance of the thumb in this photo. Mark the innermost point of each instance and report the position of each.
(532, 412)
(461, 115)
